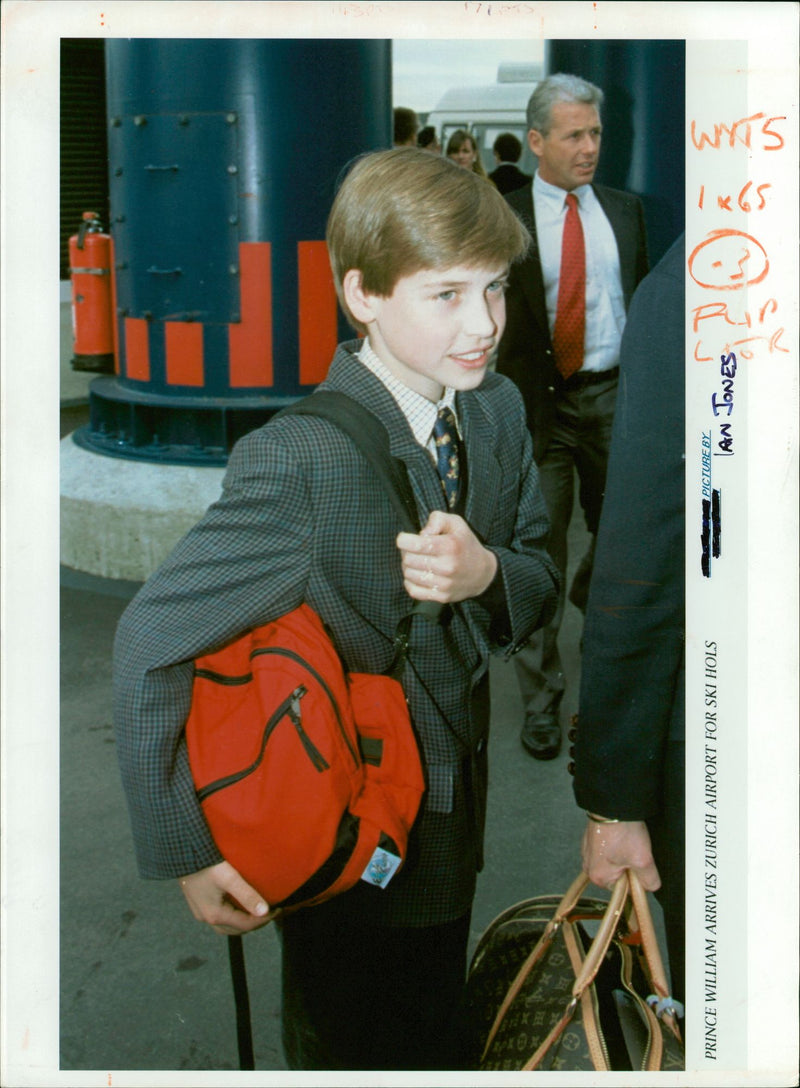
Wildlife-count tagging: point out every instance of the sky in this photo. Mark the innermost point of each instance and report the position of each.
(423, 69)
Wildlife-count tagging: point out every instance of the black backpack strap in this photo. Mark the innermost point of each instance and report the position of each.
(370, 436)
(372, 439)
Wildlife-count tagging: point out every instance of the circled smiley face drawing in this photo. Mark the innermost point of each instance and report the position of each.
(728, 260)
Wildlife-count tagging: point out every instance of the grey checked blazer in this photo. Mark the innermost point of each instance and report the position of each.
(303, 518)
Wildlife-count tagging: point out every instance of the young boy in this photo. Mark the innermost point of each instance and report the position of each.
(420, 251)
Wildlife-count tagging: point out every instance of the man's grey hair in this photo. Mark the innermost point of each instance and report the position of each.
(560, 87)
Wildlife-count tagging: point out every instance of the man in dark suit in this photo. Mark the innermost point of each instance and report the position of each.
(371, 979)
(629, 751)
(508, 176)
(566, 307)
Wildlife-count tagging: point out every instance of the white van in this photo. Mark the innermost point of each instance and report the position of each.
(487, 111)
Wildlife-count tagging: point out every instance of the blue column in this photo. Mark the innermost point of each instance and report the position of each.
(224, 158)
(643, 122)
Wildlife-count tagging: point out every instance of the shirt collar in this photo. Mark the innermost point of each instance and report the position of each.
(419, 411)
(555, 194)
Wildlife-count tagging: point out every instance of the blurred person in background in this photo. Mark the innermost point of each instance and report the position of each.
(428, 140)
(508, 176)
(463, 150)
(405, 127)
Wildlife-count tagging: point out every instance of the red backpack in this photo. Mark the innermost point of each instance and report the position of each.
(310, 777)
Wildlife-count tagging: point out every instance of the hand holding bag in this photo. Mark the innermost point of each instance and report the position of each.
(542, 995)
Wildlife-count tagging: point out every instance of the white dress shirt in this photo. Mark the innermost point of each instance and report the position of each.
(605, 302)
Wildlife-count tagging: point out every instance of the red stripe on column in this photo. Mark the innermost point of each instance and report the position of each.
(316, 308)
(184, 348)
(137, 349)
(250, 341)
(114, 319)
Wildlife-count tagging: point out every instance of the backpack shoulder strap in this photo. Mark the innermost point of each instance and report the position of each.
(372, 439)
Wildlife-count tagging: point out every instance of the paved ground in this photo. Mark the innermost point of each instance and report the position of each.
(143, 986)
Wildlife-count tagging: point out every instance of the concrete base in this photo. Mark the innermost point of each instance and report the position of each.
(120, 519)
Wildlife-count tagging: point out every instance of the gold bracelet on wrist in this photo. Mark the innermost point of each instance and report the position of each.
(600, 819)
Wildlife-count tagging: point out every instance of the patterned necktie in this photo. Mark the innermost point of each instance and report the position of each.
(568, 333)
(446, 438)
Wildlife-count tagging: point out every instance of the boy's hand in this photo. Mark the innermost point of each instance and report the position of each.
(445, 561)
(608, 849)
(222, 898)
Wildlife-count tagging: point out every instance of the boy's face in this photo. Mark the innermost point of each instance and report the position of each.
(438, 327)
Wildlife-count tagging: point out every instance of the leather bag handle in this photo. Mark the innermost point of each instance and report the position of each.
(649, 943)
(591, 965)
(627, 887)
(605, 935)
(564, 908)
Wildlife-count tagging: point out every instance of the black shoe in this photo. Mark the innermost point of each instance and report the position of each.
(541, 735)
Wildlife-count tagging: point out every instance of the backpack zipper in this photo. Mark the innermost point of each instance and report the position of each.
(221, 678)
(313, 753)
(283, 652)
(289, 708)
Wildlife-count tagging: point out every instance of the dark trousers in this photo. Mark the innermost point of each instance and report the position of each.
(580, 441)
(362, 996)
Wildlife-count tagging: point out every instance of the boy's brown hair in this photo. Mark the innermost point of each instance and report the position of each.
(401, 211)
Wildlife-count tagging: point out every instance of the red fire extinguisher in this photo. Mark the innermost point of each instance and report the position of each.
(92, 308)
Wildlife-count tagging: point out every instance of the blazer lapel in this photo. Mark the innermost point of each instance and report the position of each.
(620, 219)
(479, 437)
(421, 471)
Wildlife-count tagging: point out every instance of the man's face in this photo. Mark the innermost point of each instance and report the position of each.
(569, 153)
(438, 327)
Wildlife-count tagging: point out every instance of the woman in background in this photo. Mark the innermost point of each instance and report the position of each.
(463, 150)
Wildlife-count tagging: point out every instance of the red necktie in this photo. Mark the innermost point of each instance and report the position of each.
(570, 323)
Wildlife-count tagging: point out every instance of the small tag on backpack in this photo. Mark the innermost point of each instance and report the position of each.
(381, 868)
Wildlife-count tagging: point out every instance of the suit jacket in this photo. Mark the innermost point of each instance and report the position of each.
(508, 177)
(526, 349)
(303, 518)
(632, 691)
